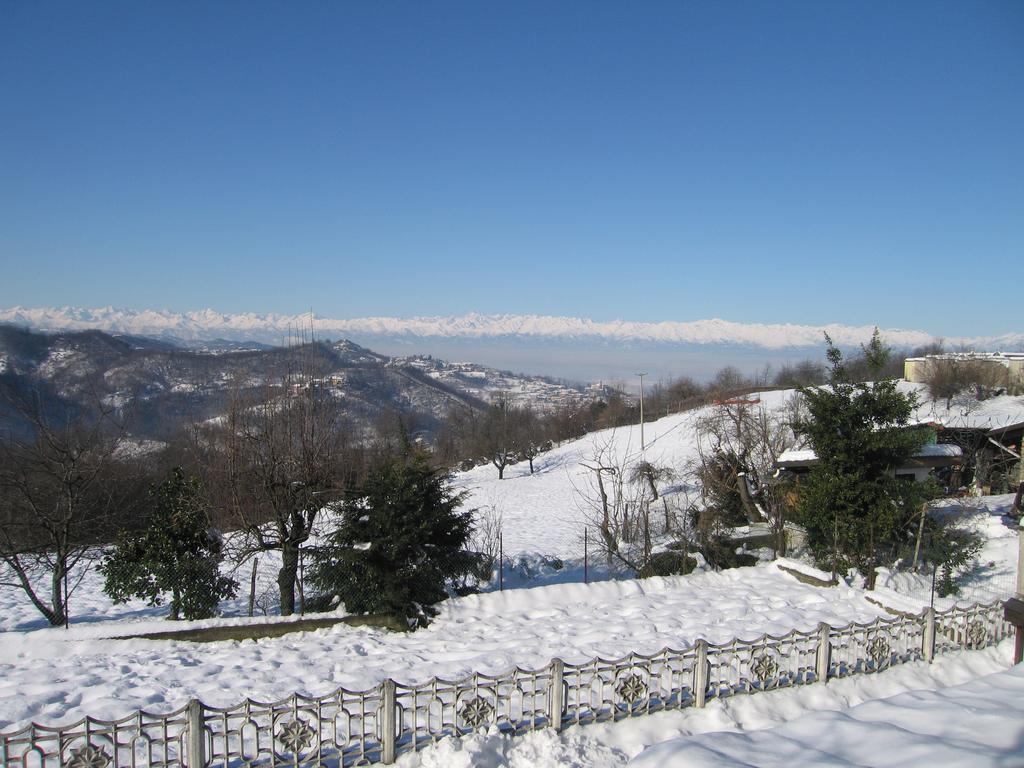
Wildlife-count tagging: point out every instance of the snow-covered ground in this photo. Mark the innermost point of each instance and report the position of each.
(993, 575)
(971, 725)
(926, 720)
(52, 675)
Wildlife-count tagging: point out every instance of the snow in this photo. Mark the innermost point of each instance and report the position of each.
(208, 325)
(993, 576)
(797, 454)
(52, 674)
(929, 450)
(547, 512)
(971, 725)
(965, 410)
(905, 693)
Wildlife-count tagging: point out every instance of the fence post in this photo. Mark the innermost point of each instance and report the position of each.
(195, 748)
(387, 721)
(928, 641)
(824, 657)
(556, 694)
(700, 674)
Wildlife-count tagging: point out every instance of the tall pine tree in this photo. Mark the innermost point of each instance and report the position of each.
(856, 512)
(400, 539)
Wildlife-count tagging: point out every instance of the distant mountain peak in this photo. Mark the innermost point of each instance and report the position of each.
(208, 324)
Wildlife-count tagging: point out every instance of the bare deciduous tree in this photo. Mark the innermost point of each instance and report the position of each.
(616, 497)
(738, 444)
(496, 439)
(278, 457)
(61, 492)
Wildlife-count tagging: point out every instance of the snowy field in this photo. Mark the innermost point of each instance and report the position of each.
(53, 675)
(973, 725)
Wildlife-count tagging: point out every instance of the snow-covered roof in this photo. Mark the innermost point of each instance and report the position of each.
(797, 454)
(966, 412)
(1003, 357)
(929, 450)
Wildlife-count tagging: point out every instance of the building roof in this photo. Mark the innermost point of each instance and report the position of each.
(992, 356)
(930, 455)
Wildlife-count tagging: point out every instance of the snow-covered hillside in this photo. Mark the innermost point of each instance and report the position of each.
(546, 512)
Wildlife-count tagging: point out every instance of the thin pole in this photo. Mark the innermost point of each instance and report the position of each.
(586, 537)
(931, 603)
(252, 585)
(302, 589)
(641, 375)
(501, 563)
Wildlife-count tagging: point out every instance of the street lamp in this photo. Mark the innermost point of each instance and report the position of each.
(641, 375)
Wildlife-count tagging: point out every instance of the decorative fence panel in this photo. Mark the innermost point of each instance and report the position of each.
(765, 664)
(349, 728)
(865, 648)
(601, 689)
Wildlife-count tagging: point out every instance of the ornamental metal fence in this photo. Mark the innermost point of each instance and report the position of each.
(348, 728)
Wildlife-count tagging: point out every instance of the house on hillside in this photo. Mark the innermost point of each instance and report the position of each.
(944, 460)
(1001, 370)
(991, 455)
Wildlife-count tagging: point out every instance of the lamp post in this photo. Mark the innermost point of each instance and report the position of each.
(641, 375)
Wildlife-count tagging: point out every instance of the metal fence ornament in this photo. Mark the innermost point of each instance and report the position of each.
(477, 712)
(977, 634)
(879, 650)
(764, 668)
(632, 688)
(89, 756)
(296, 735)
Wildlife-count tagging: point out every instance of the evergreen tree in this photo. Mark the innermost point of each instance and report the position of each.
(399, 541)
(856, 512)
(177, 553)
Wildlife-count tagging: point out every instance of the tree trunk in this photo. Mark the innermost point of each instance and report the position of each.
(175, 605)
(58, 614)
(835, 548)
(650, 482)
(252, 586)
(286, 577)
(872, 575)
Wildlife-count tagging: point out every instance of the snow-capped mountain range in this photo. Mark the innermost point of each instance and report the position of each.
(207, 324)
(573, 348)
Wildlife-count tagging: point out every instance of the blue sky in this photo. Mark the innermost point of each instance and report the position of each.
(802, 162)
